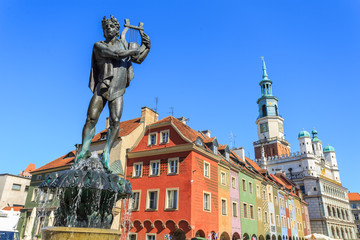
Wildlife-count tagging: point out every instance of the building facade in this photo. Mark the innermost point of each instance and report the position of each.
(187, 184)
(354, 199)
(314, 169)
(13, 190)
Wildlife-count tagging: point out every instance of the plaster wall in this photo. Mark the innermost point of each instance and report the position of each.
(224, 195)
(10, 196)
(234, 197)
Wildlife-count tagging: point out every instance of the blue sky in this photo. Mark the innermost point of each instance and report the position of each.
(204, 62)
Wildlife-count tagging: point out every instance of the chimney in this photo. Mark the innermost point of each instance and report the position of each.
(148, 116)
(183, 120)
(206, 132)
(107, 123)
(240, 151)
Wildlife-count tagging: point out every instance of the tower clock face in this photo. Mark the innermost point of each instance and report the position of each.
(264, 127)
(281, 128)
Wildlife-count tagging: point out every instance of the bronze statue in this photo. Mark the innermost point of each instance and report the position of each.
(111, 73)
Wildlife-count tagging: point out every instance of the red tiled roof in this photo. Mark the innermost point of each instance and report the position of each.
(354, 196)
(187, 131)
(126, 127)
(59, 162)
(278, 179)
(207, 140)
(222, 147)
(254, 165)
(16, 209)
(30, 168)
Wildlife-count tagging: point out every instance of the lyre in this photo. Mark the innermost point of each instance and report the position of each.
(133, 35)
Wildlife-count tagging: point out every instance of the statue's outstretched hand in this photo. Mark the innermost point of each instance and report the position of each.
(145, 39)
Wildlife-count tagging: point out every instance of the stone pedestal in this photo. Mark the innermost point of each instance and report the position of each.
(66, 233)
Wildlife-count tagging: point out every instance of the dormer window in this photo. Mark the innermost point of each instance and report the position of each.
(103, 136)
(164, 137)
(199, 142)
(215, 149)
(227, 156)
(152, 139)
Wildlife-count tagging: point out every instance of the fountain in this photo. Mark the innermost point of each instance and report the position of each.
(88, 191)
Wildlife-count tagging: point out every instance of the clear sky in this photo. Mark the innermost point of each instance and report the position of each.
(204, 63)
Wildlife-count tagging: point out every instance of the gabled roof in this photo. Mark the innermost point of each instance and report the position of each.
(354, 196)
(59, 162)
(187, 131)
(126, 127)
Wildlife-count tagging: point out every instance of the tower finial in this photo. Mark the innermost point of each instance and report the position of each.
(265, 76)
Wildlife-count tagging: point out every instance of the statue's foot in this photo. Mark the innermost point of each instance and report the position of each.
(105, 161)
(82, 155)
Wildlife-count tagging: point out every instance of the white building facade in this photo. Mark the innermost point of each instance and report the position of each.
(314, 169)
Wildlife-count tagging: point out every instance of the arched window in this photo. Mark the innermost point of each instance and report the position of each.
(264, 112)
(329, 211)
(276, 110)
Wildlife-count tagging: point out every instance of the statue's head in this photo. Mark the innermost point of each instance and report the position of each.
(110, 27)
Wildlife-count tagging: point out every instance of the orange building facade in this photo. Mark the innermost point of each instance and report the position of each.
(174, 177)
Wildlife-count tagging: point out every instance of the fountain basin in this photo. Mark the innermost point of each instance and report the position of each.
(66, 233)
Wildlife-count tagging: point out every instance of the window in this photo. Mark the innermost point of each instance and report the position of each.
(250, 188)
(223, 207)
(275, 200)
(270, 197)
(223, 178)
(16, 187)
(173, 165)
(272, 218)
(233, 182)
(152, 139)
(288, 222)
(259, 214)
(26, 188)
(33, 197)
(172, 199)
(152, 201)
(356, 216)
(207, 169)
(38, 177)
(164, 137)
(132, 236)
(244, 185)
(264, 194)
(51, 195)
(277, 220)
(215, 149)
(245, 210)
(252, 212)
(353, 206)
(257, 191)
(137, 172)
(265, 217)
(135, 201)
(154, 168)
(150, 236)
(207, 201)
(234, 209)
(227, 156)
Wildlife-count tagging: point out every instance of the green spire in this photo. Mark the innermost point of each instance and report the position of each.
(265, 76)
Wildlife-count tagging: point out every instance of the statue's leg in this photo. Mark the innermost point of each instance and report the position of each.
(96, 105)
(115, 108)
